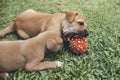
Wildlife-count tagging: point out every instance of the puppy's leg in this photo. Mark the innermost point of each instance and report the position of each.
(22, 34)
(7, 30)
(33, 66)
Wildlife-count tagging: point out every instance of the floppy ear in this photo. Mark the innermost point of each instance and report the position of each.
(70, 15)
(51, 45)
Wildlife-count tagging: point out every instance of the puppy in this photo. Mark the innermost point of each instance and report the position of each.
(30, 23)
(28, 54)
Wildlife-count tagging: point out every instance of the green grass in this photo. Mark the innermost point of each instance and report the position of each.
(102, 60)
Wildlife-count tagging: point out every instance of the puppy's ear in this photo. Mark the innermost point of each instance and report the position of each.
(70, 15)
(51, 45)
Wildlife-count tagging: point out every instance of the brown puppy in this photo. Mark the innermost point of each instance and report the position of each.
(28, 54)
(30, 23)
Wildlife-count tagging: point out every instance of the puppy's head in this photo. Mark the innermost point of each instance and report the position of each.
(55, 44)
(74, 23)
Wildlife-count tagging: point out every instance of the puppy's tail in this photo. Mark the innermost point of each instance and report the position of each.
(8, 29)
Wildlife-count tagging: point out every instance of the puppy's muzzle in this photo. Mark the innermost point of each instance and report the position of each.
(82, 33)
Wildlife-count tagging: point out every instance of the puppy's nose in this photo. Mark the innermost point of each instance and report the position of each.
(81, 23)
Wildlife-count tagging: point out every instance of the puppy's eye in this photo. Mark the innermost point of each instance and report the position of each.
(81, 23)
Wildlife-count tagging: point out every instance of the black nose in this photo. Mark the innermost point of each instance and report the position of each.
(81, 23)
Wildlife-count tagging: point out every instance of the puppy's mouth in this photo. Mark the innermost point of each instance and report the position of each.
(69, 34)
(83, 33)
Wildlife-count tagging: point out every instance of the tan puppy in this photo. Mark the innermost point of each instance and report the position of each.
(28, 54)
(30, 23)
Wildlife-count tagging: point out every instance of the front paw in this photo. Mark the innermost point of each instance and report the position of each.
(58, 63)
(4, 74)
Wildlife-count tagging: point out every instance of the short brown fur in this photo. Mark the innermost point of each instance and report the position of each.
(30, 23)
(28, 54)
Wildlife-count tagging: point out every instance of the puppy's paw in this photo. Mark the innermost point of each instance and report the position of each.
(4, 74)
(58, 63)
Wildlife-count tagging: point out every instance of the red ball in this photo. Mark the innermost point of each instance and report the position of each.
(78, 44)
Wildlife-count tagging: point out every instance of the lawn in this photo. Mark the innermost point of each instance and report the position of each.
(102, 59)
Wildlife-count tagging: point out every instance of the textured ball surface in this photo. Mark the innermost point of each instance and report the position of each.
(77, 44)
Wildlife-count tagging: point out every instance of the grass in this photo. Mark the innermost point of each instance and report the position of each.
(102, 60)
